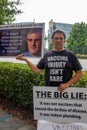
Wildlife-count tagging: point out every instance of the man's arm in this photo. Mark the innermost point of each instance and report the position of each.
(74, 79)
(32, 66)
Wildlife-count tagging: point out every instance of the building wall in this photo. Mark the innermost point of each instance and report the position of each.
(62, 26)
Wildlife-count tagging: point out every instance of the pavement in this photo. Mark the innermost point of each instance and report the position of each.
(9, 122)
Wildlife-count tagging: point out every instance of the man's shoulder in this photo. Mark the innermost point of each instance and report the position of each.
(69, 52)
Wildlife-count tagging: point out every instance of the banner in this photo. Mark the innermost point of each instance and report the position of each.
(26, 38)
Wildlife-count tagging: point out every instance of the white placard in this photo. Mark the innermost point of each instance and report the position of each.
(46, 125)
(61, 107)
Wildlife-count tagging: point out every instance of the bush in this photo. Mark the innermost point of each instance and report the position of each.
(82, 82)
(82, 56)
(17, 81)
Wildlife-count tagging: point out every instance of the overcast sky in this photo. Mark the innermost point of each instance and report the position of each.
(64, 11)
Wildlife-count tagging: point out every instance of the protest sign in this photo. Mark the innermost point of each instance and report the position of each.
(61, 107)
(46, 125)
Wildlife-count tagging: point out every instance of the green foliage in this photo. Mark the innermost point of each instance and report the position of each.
(8, 10)
(82, 82)
(77, 41)
(50, 43)
(17, 81)
(50, 46)
(82, 56)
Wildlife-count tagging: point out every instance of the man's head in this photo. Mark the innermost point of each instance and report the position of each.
(34, 39)
(58, 39)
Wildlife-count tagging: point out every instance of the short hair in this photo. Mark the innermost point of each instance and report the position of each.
(58, 31)
(34, 30)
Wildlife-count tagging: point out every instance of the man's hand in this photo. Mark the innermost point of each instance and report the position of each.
(19, 57)
(62, 87)
(74, 79)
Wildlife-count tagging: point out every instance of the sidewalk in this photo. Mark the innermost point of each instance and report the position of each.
(8, 122)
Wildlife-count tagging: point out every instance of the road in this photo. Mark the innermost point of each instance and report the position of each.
(35, 61)
(84, 64)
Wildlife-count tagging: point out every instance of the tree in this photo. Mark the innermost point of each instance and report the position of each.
(77, 41)
(8, 10)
